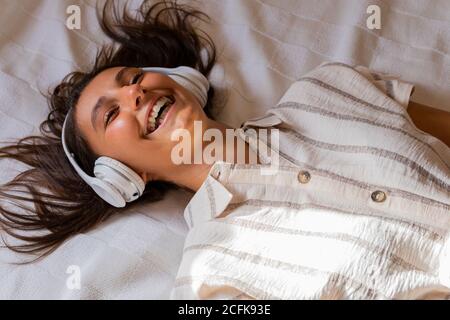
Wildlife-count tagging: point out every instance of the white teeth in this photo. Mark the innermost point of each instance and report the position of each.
(158, 105)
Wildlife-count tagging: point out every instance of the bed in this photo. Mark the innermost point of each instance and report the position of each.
(263, 46)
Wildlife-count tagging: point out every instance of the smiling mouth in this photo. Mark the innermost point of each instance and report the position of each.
(159, 112)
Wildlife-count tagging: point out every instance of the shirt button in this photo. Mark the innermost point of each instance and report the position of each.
(304, 176)
(378, 196)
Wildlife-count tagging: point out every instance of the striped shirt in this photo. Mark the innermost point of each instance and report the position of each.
(358, 209)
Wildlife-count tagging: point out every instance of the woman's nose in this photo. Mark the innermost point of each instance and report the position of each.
(134, 96)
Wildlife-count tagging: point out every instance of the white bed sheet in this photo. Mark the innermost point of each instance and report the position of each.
(263, 46)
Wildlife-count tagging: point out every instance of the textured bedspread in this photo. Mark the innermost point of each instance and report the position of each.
(264, 45)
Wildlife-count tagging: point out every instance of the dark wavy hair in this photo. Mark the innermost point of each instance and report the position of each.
(50, 202)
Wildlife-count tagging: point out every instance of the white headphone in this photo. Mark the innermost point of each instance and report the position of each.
(114, 182)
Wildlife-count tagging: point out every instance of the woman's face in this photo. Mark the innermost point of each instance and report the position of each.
(113, 115)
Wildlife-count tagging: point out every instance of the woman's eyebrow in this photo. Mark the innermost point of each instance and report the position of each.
(96, 110)
(101, 101)
(120, 74)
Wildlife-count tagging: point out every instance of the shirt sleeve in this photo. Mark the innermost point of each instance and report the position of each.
(391, 85)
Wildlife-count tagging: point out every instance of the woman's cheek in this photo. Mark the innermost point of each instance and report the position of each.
(123, 133)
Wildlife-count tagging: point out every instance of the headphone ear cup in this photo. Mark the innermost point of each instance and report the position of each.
(193, 75)
(190, 78)
(128, 183)
(199, 93)
(108, 192)
(196, 79)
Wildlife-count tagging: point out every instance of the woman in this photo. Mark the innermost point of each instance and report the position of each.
(161, 35)
(110, 116)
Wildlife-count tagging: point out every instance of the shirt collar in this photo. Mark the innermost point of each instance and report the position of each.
(268, 120)
(212, 197)
(210, 200)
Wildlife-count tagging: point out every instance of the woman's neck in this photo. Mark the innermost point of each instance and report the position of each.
(231, 149)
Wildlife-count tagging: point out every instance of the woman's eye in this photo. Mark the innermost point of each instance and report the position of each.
(112, 113)
(136, 78)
